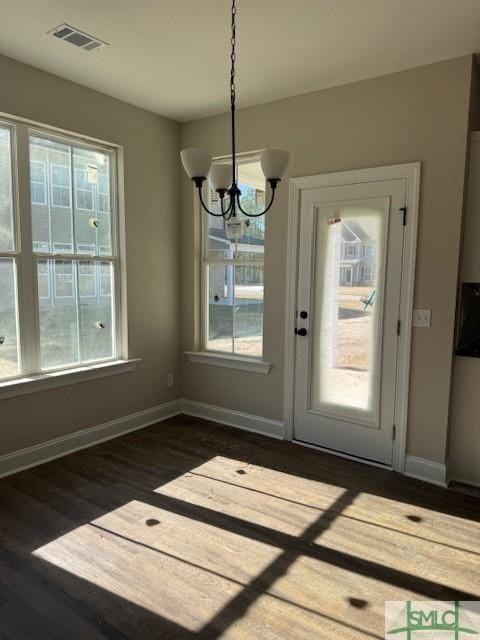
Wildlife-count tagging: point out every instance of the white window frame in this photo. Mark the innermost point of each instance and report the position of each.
(369, 250)
(223, 358)
(30, 377)
(43, 183)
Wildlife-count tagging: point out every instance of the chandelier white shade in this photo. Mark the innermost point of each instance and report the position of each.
(196, 162)
(223, 177)
(274, 163)
(220, 177)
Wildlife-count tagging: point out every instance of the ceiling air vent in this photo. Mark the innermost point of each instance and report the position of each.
(78, 38)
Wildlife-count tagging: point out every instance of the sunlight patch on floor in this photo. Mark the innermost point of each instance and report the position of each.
(161, 568)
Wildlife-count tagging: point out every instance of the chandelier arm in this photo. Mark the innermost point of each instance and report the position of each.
(226, 211)
(256, 215)
(202, 202)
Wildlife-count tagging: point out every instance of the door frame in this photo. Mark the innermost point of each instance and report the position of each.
(410, 172)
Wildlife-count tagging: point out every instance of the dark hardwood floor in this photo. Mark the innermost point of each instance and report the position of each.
(192, 530)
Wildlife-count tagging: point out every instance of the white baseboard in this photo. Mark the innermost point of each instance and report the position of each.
(40, 453)
(16, 461)
(427, 470)
(466, 481)
(232, 418)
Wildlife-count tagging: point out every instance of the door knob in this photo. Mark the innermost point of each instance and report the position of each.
(303, 314)
(302, 332)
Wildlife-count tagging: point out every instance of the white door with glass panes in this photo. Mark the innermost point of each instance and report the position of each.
(350, 264)
(233, 271)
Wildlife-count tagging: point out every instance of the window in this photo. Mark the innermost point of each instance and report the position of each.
(43, 280)
(367, 274)
(233, 272)
(63, 278)
(83, 190)
(60, 185)
(37, 182)
(70, 308)
(103, 191)
(369, 251)
(87, 279)
(87, 249)
(350, 250)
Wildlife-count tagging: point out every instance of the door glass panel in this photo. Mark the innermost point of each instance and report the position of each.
(348, 308)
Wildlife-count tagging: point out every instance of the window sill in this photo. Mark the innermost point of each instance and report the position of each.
(45, 381)
(229, 361)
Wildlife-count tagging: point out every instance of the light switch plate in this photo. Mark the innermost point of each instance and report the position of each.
(422, 318)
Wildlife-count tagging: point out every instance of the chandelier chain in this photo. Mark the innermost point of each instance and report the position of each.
(228, 211)
(233, 54)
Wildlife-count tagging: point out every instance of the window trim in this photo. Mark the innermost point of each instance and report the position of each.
(229, 360)
(51, 379)
(26, 259)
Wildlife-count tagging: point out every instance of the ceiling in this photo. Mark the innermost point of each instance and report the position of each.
(171, 56)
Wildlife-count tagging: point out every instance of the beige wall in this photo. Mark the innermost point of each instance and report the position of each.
(420, 114)
(417, 115)
(464, 450)
(152, 229)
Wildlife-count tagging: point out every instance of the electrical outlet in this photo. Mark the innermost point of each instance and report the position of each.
(422, 318)
(170, 380)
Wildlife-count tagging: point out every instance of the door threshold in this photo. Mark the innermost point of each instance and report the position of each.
(340, 454)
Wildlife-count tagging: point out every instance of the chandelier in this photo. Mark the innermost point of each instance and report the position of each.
(223, 177)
